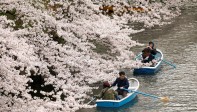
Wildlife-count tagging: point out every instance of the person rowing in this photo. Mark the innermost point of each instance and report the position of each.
(122, 83)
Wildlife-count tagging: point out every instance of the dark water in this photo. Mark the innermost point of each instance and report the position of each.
(178, 41)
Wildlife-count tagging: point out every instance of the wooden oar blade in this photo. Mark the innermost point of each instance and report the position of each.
(164, 99)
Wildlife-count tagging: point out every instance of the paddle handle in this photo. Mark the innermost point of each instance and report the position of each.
(145, 94)
(138, 56)
(169, 63)
(91, 100)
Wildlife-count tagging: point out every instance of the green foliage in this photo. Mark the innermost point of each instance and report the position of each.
(11, 15)
(57, 38)
(18, 24)
(100, 47)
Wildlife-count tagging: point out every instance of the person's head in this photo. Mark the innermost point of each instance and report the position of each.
(122, 75)
(151, 44)
(146, 52)
(106, 84)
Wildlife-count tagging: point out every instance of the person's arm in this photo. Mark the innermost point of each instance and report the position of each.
(153, 51)
(151, 57)
(126, 84)
(115, 82)
(116, 93)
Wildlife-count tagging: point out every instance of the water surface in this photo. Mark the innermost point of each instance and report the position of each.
(178, 41)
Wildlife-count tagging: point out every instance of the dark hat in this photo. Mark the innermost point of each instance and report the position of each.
(106, 84)
(146, 50)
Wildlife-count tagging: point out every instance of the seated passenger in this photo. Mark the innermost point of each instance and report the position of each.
(147, 56)
(107, 93)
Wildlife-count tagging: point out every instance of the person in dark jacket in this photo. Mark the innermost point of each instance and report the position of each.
(151, 47)
(147, 56)
(122, 83)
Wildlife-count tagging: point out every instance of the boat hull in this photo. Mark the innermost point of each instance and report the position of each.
(117, 103)
(147, 70)
(150, 70)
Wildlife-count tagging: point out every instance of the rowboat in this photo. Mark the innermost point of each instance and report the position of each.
(134, 85)
(149, 69)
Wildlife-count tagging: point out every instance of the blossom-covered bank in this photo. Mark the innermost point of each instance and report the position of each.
(51, 51)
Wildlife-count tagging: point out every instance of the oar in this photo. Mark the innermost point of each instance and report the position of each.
(91, 100)
(163, 99)
(138, 56)
(169, 63)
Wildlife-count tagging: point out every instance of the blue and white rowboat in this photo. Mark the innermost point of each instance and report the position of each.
(149, 69)
(134, 85)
